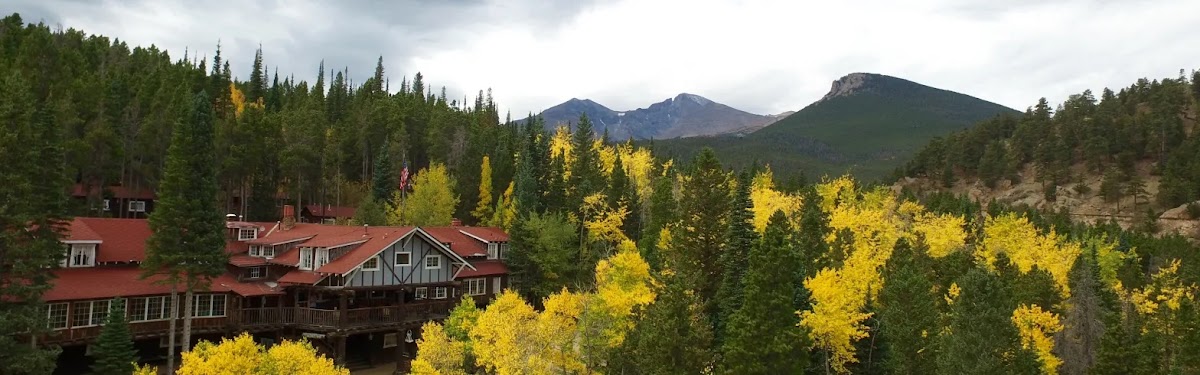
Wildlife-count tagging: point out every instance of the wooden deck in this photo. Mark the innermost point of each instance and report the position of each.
(274, 318)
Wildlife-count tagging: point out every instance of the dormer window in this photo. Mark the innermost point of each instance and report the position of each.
(82, 255)
(504, 250)
(493, 250)
(106, 205)
(246, 234)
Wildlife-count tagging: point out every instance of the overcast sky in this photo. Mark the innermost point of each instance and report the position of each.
(759, 56)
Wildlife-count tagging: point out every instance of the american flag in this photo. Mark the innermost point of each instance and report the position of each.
(404, 176)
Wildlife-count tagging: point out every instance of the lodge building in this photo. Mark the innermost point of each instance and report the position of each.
(358, 293)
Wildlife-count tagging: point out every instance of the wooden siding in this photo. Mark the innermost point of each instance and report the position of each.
(415, 273)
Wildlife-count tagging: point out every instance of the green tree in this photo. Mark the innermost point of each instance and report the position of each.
(908, 312)
(33, 189)
(383, 182)
(1083, 322)
(113, 350)
(739, 240)
(586, 177)
(431, 203)
(546, 262)
(673, 335)
(483, 209)
(762, 337)
(187, 242)
(810, 240)
(980, 337)
(661, 210)
(371, 212)
(704, 205)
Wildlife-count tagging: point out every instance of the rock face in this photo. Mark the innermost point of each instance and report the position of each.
(847, 85)
(685, 115)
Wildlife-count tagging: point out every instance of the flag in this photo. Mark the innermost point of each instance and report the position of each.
(404, 176)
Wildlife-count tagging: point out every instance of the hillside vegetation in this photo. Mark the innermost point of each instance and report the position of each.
(867, 125)
(1130, 155)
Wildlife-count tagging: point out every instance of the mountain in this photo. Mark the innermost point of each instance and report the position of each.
(685, 115)
(868, 124)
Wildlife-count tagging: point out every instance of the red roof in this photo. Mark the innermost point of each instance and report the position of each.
(301, 277)
(143, 193)
(460, 243)
(122, 240)
(336, 241)
(329, 211)
(247, 261)
(291, 257)
(489, 234)
(227, 282)
(277, 237)
(380, 238)
(109, 282)
(484, 268)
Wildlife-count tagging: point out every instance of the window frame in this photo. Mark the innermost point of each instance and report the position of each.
(137, 206)
(242, 231)
(437, 258)
(306, 258)
(373, 259)
(408, 260)
(92, 317)
(50, 315)
(497, 284)
(503, 250)
(493, 250)
(161, 305)
(78, 249)
(210, 300)
(250, 271)
(105, 205)
(391, 340)
(421, 293)
(440, 292)
(476, 286)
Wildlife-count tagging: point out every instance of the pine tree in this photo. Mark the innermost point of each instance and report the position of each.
(586, 176)
(371, 212)
(981, 338)
(187, 243)
(383, 182)
(1083, 322)
(908, 312)
(257, 87)
(673, 336)
(483, 209)
(704, 202)
(661, 209)
(114, 350)
(762, 336)
(814, 227)
(33, 189)
(738, 242)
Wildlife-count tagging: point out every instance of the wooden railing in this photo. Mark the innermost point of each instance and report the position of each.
(138, 329)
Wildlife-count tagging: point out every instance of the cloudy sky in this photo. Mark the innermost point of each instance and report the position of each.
(761, 56)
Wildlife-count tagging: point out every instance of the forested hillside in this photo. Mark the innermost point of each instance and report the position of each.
(1130, 154)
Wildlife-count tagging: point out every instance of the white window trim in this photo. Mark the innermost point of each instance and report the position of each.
(477, 286)
(493, 250)
(421, 293)
(496, 285)
(439, 292)
(92, 321)
(320, 257)
(503, 250)
(435, 257)
(254, 251)
(250, 274)
(137, 206)
(242, 234)
(106, 207)
(374, 259)
(407, 264)
(196, 305)
(266, 251)
(76, 249)
(66, 315)
(164, 303)
(306, 258)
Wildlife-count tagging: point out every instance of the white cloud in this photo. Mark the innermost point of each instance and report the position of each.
(762, 56)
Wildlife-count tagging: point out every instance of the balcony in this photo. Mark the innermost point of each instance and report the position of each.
(351, 319)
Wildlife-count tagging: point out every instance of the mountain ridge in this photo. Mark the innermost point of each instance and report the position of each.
(681, 116)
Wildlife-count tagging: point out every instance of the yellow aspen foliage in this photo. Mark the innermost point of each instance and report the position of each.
(1110, 260)
(1036, 329)
(603, 223)
(145, 370)
(560, 145)
(1165, 290)
(1016, 237)
(608, 157)
(766, 200)
(556, 335)
(241, 355)
(500, 336)
(666, 166)
(237, 99)
(952, 293)
(639, 165)
(439, 354)
(835, 321)
(483, 209)
(505, 212)
(833, 190)
(623, 283)
(942, 233)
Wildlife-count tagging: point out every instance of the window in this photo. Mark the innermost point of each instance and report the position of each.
(322, 257)
(137, 206)
(245, 234)
(56, 315)
(504, 250)
(439, 292)
(476, 287)
(89, 313)
(266, 251)
(255, 251)
(377, 294)
(371, 264)
(106, 205)
(82, 255)
(493, 249)
(208, 305)
(403, 259)
(433, 262)
(306, 262)
(256, 272)
(149, 308)
(422, 293)
(496, 285)
(390, 340)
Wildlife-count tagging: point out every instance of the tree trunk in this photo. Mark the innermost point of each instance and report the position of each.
(171, 329)
(187, 318)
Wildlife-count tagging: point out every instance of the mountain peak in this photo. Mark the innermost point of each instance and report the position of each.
(850, 84)
(693, 97)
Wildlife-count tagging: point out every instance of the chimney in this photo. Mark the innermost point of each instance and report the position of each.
(289, 217)
(455, 222)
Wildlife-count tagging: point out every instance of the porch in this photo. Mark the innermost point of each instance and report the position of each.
(347, 320)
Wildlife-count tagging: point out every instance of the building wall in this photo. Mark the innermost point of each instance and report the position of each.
(415, 273)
